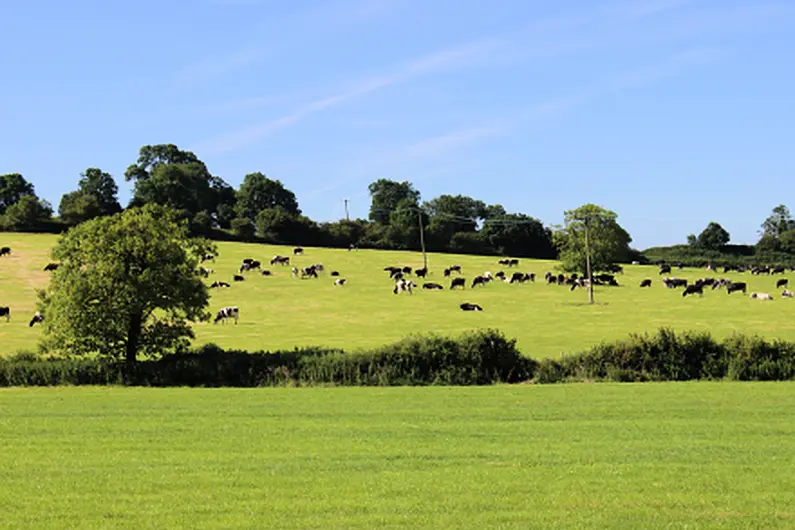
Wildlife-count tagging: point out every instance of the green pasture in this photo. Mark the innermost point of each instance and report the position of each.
(671, 455)
(280, 312)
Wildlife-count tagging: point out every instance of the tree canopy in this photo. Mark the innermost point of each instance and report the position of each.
(126, 286)
(713, 237)
(388, 196)
(13, 187)
(258, 192)
(608, 241)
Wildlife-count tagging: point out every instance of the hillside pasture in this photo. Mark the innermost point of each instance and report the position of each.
(282, 312)
(670, 455)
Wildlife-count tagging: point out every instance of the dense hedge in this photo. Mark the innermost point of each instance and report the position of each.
(477, 358)
(731, 255)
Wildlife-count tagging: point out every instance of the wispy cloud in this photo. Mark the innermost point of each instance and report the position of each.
(438, 62)
(282, 32)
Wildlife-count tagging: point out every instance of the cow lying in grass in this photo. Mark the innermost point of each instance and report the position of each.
(466, 306)
(786, 293)
(431, 286)
(761, 296)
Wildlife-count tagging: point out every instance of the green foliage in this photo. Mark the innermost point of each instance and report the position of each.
(713, 237)
(28, 214)
(13, 187)
(278, 225)
(126, 286)
(99, 184)
(258, 192)
(243, 228)
(388, 196)
(519, 235)
(77, 207)
(779, 221)
(608, 241)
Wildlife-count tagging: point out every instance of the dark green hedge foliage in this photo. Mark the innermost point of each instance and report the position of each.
(477, 358)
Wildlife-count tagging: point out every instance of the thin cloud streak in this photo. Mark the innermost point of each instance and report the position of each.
(431, 64)
(535, 115)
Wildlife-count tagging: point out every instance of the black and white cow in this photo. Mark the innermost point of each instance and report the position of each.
(5, 251)
(5, 312)
(761, 296)
(458, 282)
(218, 284)
(339, 282)
(281, 260)
(466, 306)
(696, 288)
(786, 293)
(480, 280)
(298, 250)
(309, 272)
(38, 318)
(431, 286)
(226, 313)
(403, 286)
(208, 257)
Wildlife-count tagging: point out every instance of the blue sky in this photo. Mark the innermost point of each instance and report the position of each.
(673, 113)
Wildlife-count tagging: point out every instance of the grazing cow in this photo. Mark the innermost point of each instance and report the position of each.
(226, 313)
(673, 283)
(218, 284)
(693, 289)
(335, 273)
(281, 260)
(396, 275)
(501, 275)
(238, 278)
(478, 280)
(458, 282)
(761, 296)
(208, 257)
(38, 318)
(421, 273)
(392, 269)
(782, 283)
(509, 262)
(406, 270)
(403, 286)
(248, 260)
(204, 273)
(295, 272)
(778, 270)
(51, 267)
(604, 277)
(665, 269)
(431, 286)
(249, 265)
(736, 286)
(466, 306)
(561, 279)
(310, 272)
(786, 293)
(298, 250)
(5, 251)
(267, 273)
(5, 312)
(455, 268)
(339, 282)
(645, 283)
(615, 269)
(446, 273)
(519, 277)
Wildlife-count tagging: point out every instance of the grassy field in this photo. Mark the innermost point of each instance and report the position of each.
(283, 312)
(692, 455)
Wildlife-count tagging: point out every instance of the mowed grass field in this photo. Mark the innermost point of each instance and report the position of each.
(671, 455)
(280, 312)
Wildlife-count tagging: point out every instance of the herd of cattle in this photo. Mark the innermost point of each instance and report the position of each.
(401, 278)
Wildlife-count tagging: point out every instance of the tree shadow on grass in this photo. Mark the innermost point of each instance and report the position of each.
(584, 304)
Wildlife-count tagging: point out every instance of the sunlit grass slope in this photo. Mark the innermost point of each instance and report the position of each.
(686, 455)
(283, 312)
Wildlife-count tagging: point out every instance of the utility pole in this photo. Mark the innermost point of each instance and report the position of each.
(588, 262)
(346, 210)
(422, 240)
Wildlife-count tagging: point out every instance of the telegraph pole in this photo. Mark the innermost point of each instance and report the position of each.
(422, 240)
(588, 262)
(347, 218)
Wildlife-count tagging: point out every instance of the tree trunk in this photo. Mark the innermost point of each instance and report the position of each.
(133, 338)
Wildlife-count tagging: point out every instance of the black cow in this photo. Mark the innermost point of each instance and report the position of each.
(645, 283)
(5, 312)
(335, 273)
(693, 289)
(500, 275)
(396, 275)
(673, 283)
(267, 273)
(458, 282)
(665, 269)
(455, 268)
(238, 278)
(736, 286)
(406, 270)
(421, 273)
(5, 251)
(38, 318)
(466, 306)
(248, 260)
(218, 284)
(778, 270)
(51, 267)
(431, 286)
(298, 250)
(509, 262)
(517, 277)
(479, 280)
(782, 283)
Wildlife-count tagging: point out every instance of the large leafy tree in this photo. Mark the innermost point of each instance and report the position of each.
(258, 192)
(451, 214)
(713, 237)
(388, 196)
(96, 195)
(519, 235)
(13, 187)
(608, 242)
(26, 214)
(127, 286)
(779, 221)
(151, 156)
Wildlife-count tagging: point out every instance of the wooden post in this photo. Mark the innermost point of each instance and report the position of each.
(588, 263)
(422, 240)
